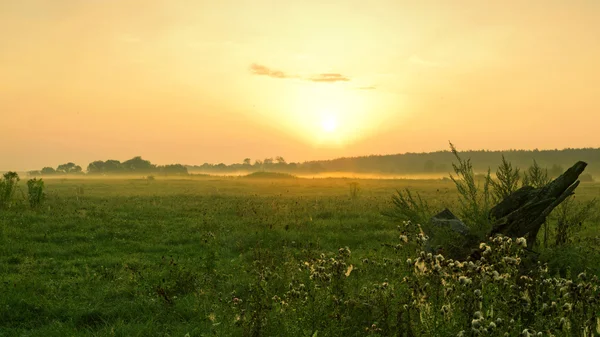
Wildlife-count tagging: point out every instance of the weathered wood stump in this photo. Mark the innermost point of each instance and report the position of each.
(521, 214)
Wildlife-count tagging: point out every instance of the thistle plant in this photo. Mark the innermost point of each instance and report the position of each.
(8, 187)
(35, 192)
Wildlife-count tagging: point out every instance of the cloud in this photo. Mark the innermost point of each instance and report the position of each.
(371, 87)
(329, 78)
(261, 70)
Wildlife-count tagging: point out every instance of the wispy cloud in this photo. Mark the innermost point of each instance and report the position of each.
(418, 60)
(329, 78)
(261, 70)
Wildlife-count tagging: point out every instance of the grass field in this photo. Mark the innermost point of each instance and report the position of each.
(214, 256)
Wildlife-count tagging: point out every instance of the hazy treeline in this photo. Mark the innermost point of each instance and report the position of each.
(555, 161)
(135, 165)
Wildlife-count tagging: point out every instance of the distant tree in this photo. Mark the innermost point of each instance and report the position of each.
(96, 167)
(175, 169)
(68, 168)
(34, 173)
(316, 167)
(112, 166)
(247, 161)
(48, 171)
(268, 161)
(137, 164)
(280, 160)
(429, 166)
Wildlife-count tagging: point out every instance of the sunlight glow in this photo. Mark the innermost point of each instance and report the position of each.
(329, 123)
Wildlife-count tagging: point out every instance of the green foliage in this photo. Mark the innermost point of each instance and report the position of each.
(48, 171)
(8, 187)
(35, 192)
(535, 176)
(170, 258)
(354, 189)
(571, 216)
(474, 200)
(69, 168)
(508, 180)
(409, 207)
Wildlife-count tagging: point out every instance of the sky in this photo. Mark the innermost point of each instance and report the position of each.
(194, 81)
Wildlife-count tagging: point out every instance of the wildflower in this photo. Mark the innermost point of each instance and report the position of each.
(526, 333)
(464, 280)
(478, 294)
(476, 323)
(478, 315)
(567, 307)
(409, 262)
(521, 242)
(492, 326)
(562, 322)
(404, 238)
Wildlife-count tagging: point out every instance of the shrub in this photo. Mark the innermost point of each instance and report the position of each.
(409, 207)
(474, 200)
(354, 189)
(8, 187)
(508, 180)
(535, 176)
(35, 192)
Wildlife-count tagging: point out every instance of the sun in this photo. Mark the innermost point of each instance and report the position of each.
(329, 124)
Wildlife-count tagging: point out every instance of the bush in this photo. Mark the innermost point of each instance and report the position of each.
(354, 189)
(508, 180)
(35, 192)
(8, 187)
(474, 200)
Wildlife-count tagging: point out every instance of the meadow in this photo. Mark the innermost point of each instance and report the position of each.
(235, 256)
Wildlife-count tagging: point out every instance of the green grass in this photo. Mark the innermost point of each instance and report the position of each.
(132, 257)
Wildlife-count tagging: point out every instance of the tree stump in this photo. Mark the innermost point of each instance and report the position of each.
(521, 214)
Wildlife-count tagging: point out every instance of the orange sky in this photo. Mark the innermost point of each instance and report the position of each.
(194, 81)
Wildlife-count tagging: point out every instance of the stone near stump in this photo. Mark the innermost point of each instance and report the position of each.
(447, 220)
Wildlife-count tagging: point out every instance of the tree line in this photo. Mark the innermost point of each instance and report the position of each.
(135, 165)
(440, 162)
